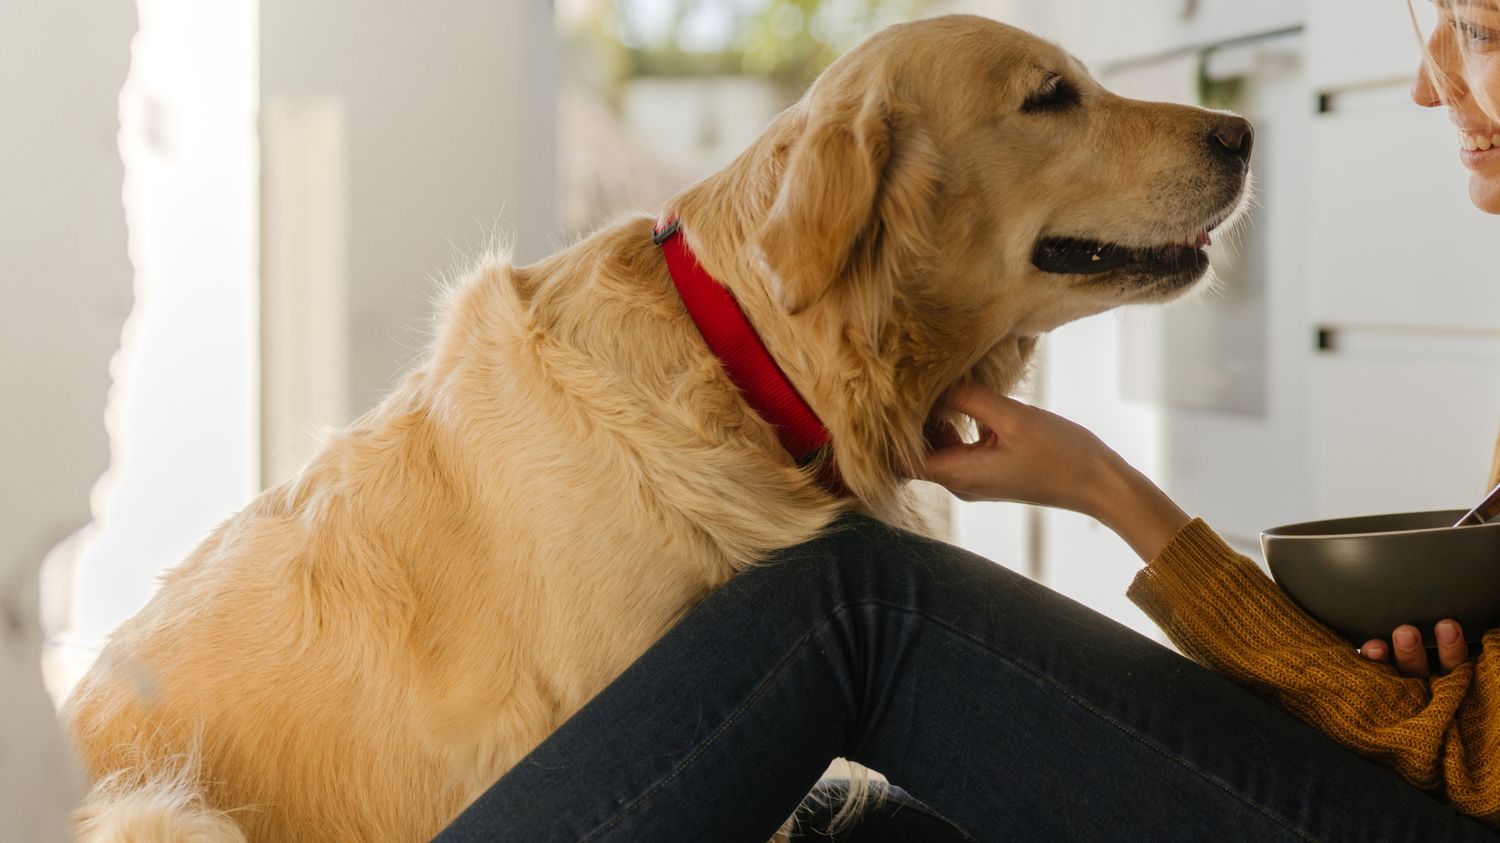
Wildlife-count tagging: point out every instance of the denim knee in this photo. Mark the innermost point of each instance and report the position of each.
(859, 560)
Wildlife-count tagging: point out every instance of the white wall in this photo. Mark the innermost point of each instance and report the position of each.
(450, 118)
(182, 409)
(448, 136)
(63, 295)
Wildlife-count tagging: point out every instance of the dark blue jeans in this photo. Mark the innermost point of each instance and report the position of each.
(1008, 709)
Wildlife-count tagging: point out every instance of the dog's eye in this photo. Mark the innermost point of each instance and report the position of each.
(1055, 94)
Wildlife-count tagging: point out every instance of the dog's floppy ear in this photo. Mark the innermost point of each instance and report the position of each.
(825, 200)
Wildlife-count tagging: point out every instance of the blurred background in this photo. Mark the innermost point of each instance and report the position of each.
(225, 225)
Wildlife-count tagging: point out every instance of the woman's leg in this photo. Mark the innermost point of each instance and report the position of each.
(1009, 709)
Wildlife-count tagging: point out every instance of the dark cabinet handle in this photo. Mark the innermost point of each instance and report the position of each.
(1327, 339)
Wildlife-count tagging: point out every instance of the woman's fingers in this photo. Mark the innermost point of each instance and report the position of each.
(950, 461)
(949, 464)
(1411, 659)
(1452, 651)
(981, 404)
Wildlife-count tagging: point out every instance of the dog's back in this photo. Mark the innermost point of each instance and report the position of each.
(267, 688)
(361, 651)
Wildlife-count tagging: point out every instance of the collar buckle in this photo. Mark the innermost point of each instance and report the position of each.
(665, 233)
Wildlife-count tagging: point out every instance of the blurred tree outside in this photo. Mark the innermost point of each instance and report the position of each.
(789, 41)
(658, 93)
(786, 41)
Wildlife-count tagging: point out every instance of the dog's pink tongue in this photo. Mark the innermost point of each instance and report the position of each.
(1204, 240)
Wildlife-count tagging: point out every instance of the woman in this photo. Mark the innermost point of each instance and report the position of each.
(1017, 714)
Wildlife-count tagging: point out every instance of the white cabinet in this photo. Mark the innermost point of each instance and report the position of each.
(1404, 422)
(1395, 241)
(1106, 32)
(1357, 42)
(1122, 30)
(1406, 401)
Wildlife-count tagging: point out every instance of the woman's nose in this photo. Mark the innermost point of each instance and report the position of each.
(1439, 77)
(1423, 92)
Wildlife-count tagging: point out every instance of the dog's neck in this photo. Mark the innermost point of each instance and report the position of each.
(733, 339)
(867, 411)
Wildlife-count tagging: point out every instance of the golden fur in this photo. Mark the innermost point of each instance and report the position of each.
(364, 649)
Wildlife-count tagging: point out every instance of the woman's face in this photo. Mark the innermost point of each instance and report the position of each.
(1465, 54)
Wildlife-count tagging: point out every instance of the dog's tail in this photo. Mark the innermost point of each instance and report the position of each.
(128, 807)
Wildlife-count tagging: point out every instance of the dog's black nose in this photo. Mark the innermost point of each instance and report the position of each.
(1233, 136)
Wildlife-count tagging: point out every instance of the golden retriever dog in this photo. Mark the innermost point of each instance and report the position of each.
(364, 649)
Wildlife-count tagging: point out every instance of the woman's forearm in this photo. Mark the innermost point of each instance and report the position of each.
(1137, 510)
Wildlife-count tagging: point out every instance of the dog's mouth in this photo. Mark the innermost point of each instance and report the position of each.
(1075, 256)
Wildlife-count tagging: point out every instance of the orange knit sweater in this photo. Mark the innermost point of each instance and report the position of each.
(1442, 734)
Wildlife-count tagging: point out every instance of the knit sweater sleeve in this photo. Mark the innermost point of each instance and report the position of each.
(1219, 608)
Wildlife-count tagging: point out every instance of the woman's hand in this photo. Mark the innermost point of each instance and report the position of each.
(1411, 657)
(1024, 454)
(1027, 454)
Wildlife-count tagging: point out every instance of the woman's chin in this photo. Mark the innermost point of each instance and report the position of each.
(1484, 192)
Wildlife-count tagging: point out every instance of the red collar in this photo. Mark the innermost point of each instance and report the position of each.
(733, 340)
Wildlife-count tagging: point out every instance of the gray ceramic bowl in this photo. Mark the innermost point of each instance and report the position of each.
(1366, 576)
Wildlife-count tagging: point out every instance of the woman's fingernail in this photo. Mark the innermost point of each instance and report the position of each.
(1404, 639)
(1376, 653)
(1446, 633)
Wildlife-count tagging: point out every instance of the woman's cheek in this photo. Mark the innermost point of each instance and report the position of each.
(1487, 85)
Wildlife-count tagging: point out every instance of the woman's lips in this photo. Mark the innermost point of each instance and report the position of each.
(1474, 159)
(1478, 147)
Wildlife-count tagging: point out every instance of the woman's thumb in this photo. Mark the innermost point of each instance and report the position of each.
(980, 403)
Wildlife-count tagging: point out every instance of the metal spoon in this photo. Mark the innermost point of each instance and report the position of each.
(1488, 509)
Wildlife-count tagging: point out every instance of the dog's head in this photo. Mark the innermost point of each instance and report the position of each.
(952, 188)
